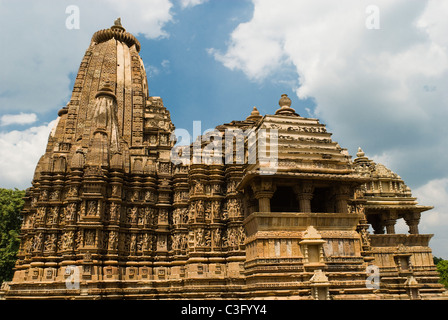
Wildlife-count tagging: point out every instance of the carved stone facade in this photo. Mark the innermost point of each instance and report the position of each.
(110, 210)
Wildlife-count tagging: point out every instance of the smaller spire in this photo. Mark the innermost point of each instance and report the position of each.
(285, 107)
(360, 153)
(361, 158)
(117, 25)
(254, 115)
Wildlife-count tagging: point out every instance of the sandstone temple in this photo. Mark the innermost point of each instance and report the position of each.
(110, 215)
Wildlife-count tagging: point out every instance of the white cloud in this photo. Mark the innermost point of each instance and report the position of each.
(191, 3)
(22, 118)
(165, 63)
(19, 153)
(435, 221)
(146, 17)
(154, 70)
(434, 193)
(331, 49)
(381, 89)
(39, 53)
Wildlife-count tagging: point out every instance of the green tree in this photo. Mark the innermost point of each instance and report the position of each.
(436, 260)
(442, 268)
(11, 203)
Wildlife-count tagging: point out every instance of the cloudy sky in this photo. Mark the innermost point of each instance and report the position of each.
(375, 72)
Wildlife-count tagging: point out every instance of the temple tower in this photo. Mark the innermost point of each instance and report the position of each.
(101, 194)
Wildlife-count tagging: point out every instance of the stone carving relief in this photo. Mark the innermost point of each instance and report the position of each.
(72, 192)
(114, 211)
(200, 209)
(54, 195)
(52, 217)
(92, 207)
(161, 242)
(216, 209)
(113, 240)
(132, 215)
(180, 216)
(38, 242)
(68, 240)
(216, 235)
(148, 241)
(163, 215)
(179, 241)
(89, 237)
(41, 211)
(70, 212)
(233, 208)
(235, 237)
(50, 243)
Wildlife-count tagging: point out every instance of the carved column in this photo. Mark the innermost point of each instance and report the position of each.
(304, 193)
(389, 221)
(263, 190)
(341, 196)
(412, 220)
(377, 224)
(390, 226)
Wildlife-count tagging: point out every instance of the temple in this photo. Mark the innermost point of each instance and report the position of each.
(276, 209)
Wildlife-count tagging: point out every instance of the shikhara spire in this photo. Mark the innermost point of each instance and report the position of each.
(109, 215)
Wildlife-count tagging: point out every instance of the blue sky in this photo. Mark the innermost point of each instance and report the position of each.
(192, 83)
(382, 89)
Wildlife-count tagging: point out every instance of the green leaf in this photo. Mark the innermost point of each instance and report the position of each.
(11, 204)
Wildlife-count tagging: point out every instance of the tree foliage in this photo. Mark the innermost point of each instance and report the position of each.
(442, 268)
(11, 203)
(437, 260)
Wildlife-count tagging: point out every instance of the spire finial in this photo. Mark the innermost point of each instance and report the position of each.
(117, 25)
(360, 153)
(284, 101)
(285, 106)
(254, 115)
(118, 33)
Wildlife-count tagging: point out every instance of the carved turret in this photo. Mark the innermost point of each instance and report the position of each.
(285, 107)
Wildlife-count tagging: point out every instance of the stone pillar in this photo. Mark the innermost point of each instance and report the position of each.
(389, 219)
(264, 201)
(412, 220)
(263, 190)
(305, 201)
(341, 196)
(304, 193)
(390, 226)
(378, 226)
